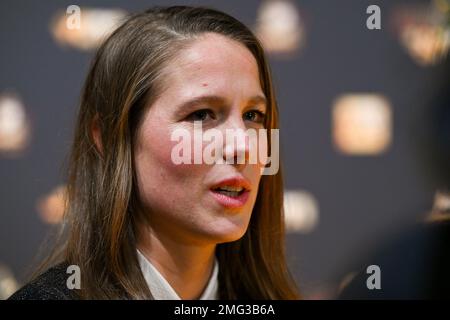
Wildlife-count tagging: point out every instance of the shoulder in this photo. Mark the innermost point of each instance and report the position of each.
(50, 285)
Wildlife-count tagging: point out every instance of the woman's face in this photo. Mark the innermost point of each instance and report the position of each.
(214, 80)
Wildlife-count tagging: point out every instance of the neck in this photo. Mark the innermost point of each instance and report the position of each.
(186, 266)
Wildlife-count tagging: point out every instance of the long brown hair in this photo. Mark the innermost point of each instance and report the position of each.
(98, 231)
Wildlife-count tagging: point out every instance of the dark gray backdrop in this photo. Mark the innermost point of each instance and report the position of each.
(362, 200)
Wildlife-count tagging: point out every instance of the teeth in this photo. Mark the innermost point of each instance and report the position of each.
(232, 189)
(229, 193)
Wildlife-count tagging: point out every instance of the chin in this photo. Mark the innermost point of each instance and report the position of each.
(229, 234)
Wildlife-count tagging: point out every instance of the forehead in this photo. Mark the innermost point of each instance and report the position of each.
(213, 62)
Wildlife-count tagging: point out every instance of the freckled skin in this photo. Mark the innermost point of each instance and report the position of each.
(177, 197)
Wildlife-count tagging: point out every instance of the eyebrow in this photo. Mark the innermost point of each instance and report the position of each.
(217, 100)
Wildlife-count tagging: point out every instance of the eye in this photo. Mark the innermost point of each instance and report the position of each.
(255, 116)
(200, 115)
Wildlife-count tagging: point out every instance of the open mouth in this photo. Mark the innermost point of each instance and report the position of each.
(230, 191)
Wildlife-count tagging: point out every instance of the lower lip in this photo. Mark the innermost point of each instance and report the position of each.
(231, 202)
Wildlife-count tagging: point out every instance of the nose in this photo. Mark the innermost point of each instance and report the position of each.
(236, 144)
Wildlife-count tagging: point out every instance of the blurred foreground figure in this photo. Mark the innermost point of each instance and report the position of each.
(416, 264)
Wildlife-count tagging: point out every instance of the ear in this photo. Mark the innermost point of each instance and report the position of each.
(96, 134)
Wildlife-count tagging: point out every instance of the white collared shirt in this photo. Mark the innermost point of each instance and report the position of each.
(162, 290)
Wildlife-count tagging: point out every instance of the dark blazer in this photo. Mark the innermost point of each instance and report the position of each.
(51, 285)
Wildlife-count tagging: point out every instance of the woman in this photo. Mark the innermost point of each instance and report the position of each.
(139, 226)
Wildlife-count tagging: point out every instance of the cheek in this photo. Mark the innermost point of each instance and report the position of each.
(256, 179)
(263, 149)
(160, 179)
(156, 149)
